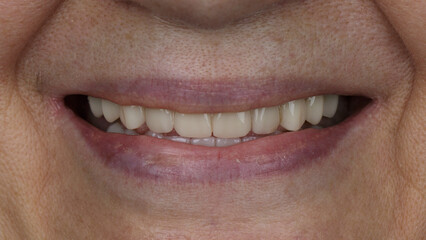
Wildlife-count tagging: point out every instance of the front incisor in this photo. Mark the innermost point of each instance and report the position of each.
(231, 125)
(193, 125)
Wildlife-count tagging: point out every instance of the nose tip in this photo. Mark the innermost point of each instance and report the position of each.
(205, 13)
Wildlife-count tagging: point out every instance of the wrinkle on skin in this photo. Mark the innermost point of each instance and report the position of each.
(16, 220)
(207, 15)
(19, 21)
(409, 19)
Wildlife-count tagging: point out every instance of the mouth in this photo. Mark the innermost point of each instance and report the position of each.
(163, 144)
(203, 106)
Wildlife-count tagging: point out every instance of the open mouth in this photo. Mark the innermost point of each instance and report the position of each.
(219, 129)
(161, 143)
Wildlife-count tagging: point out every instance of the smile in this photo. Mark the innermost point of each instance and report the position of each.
(215, 130)
(163, 144)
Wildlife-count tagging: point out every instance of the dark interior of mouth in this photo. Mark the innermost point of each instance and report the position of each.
(347, 107)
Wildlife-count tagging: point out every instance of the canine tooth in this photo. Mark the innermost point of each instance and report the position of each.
(207, 142)
(330, 105)
(178, 139)
(193, 125)
(231, 125)
(265, 120)
(314, 109)
(110, 110)
(293, 115)
(116, 128)
(159, 120)
(95, 106)
(132, 117)
(226, 142)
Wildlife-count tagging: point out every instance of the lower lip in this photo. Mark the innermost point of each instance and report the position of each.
(146, 157)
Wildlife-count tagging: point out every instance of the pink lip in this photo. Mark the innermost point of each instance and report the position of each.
(150, 158)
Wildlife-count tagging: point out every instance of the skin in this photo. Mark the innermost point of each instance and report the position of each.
(47, 191)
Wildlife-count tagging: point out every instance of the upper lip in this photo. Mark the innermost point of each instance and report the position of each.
(208, 97)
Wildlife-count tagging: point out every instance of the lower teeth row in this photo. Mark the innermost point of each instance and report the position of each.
(208, 142)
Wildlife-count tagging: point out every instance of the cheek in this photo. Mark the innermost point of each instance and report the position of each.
(408, 18)
(24, 19)
(24, 159)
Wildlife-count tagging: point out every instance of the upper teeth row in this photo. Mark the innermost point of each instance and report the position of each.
(290, 116)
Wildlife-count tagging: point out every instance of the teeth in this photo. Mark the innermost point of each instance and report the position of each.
(226, 142)
(293, 115)
(130, 132)
(116, 128)
(227, 128)
(153, 134)
(110, 110)
(265, 120)
(178, 139)
(159, 120)
(330, 105)
(96, 106)
(249, 138)
(231, 125)
(207, 142)
(132, 117)
(193, 125)
(314, 109)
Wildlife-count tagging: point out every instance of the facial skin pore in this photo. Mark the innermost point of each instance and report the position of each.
(374, 189)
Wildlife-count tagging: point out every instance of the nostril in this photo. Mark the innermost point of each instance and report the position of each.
(211, 14)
